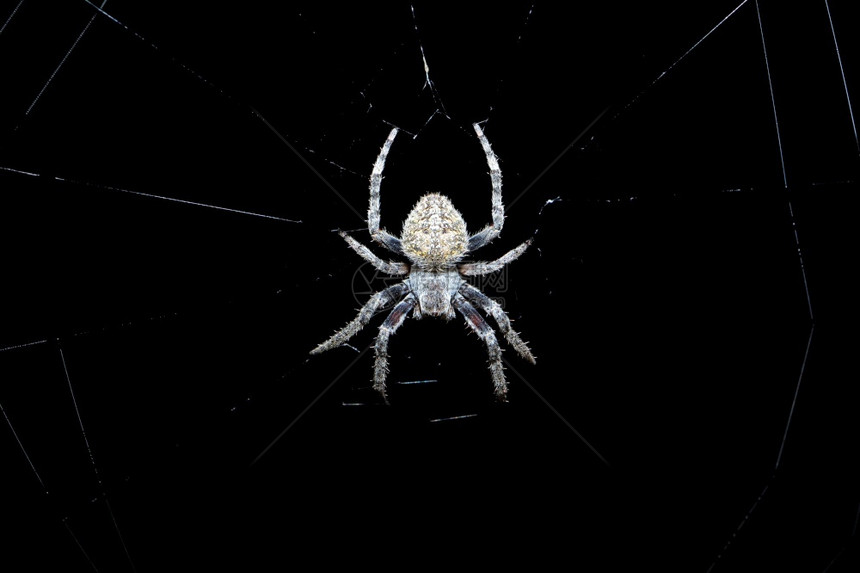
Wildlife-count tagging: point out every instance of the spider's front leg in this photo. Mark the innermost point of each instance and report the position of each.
(389, 327)
(376, 302)
(477, 323)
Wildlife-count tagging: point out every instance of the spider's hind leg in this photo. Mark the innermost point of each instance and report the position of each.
(387, 267)
(477, 323)
(488, 234)
(487, 267)
(379, 235)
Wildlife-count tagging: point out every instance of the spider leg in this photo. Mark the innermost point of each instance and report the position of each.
(485, 268)
(391, 324)
(487, 234)
(377, 301)
(495, 310)
(386, 267)
(477, 323)
(381, 236)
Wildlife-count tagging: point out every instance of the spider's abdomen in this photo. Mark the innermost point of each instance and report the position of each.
(434, 233)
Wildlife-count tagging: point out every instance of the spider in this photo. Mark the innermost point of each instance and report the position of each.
(435, 240)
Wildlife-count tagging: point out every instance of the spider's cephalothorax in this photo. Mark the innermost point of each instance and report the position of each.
(435, 240)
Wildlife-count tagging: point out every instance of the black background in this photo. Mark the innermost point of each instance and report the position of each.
(664, 295)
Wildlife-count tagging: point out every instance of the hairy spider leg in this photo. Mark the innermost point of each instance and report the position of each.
(381, 236)
(389, 327)
(376, 302)
(495, 310)
(387, 267)
(489, 233)
(485, 268)
(477, 323)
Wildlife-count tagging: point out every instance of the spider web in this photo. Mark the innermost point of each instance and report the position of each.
(171, 177)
